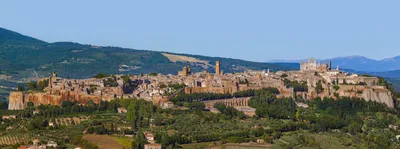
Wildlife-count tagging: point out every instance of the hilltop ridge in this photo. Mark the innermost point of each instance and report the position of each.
(11, 37)
(27, 58)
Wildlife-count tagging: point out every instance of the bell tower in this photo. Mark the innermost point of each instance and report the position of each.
(217, 68)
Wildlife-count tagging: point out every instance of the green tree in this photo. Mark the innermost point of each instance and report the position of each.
(31, 86)
(101, 75)
(30, 104)
(3, 105)
(20, 87)
(140, 139)
(42, 84)
(336, 87)
(319, 89)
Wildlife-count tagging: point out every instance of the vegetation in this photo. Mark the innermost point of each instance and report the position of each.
(101, 75)
(3, 105)
(267, 105)
(177, 86)
(297, 86)
(153, 74)
(35, 86)
(129, 85)
(336, 87)
(139, 141)
(140, 113)
(111, 82)
(319, 89)
(277, 121)
(229, 111)
(182, 98)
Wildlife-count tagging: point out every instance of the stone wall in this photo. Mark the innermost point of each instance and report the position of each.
(218, 90)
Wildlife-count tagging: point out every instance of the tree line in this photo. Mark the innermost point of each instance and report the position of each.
(182, 98)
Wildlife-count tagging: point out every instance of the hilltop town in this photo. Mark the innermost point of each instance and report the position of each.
(311, 81)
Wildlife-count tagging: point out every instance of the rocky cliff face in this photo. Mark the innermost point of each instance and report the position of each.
(378, 94)
(19, 100)
(16, 101)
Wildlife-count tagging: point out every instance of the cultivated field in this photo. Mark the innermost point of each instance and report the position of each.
(14, 139)
(104, 141)
(180, 58)
(70, 121)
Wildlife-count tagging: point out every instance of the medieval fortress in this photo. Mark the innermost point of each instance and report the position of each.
(156, 88)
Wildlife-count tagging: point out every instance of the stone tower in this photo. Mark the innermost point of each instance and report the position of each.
(217, 68)
(186, 71)
(52, 79)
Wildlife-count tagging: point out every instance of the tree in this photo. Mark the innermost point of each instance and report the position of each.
(140, 140)
(197, 106)
(135, 144)
(101, 75)
(153, 74)
(354, 128)
(319, 89)
(336, 87)
(42, 84)
(20, 88)
(219, 106)
(31, 85)
(132, 115)
(111, 82)
(30, 104)
(3, 105)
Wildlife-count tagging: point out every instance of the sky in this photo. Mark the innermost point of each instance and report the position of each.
(256, 30)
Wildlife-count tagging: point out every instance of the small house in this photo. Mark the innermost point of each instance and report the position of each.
(51, 144)
(122, 110)
(9, 117)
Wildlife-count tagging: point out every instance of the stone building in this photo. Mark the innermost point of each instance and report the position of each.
(311, 65)
(185, 71)
(217, 68)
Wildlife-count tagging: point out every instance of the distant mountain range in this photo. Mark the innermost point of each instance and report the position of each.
(388, 66)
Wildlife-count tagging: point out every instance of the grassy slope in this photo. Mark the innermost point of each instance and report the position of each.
(124, 141)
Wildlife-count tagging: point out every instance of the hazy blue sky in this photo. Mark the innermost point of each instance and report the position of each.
(257, 30)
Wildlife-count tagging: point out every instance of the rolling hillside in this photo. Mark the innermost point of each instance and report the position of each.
(24, 58)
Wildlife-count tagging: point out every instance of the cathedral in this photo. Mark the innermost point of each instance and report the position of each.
(311, 65)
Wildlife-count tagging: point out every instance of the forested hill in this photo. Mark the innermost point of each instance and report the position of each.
(24, 57)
